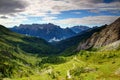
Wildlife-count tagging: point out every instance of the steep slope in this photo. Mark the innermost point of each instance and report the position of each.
(112, 46)
(81, 37)
(104, 37)
(17, 64)
(92, 38)
(25, 43)
(20, 56)
(49, 32)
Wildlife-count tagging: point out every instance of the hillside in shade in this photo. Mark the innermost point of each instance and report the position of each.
(109, 34)
(28, 44)
(49, 32)
(91, 55)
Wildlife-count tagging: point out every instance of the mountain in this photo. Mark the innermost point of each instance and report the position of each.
(80, 37)
(26, 43)
(49, 32)
(18, 60)
(107, 35)
(92, 38)
(79, 29)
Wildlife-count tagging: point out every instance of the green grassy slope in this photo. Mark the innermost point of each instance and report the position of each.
(19, 53)
(17, 62)
(25, 43)
(84, 65)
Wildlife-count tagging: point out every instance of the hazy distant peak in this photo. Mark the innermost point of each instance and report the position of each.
(80, 28)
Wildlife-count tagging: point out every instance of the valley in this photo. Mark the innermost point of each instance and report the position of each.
(80, 67)
(59, 39)
(49, 32)
(82, 57)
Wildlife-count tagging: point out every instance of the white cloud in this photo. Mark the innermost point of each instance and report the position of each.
(89, 21)
(11, 21)
(48, 9)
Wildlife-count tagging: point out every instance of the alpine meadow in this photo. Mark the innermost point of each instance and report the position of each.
(59, 40)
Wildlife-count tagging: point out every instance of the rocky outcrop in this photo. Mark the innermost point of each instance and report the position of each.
(107, 35)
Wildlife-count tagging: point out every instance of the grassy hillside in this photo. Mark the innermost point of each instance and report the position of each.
(84, 65)
(19, 54)
(26, 58)
(26, 43)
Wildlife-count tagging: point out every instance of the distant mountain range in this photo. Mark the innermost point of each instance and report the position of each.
(49, 32)
(92, 38)
(27, 57)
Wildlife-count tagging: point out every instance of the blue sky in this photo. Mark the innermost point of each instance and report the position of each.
(65, 13)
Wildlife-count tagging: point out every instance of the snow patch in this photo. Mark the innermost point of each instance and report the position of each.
(54, 39)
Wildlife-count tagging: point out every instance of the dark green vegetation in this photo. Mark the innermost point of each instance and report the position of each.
(30, 58)
(16, 53)
(74, 41)
(28, 44)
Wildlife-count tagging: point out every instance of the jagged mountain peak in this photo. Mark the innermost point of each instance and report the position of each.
(80, 28)
(45, 31)
(38, 25)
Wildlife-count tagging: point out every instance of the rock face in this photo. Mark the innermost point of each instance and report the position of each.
(107, 35)
(49, 32)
